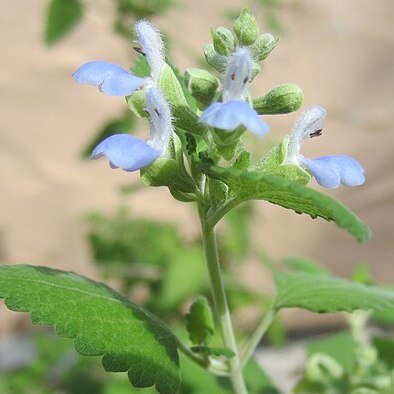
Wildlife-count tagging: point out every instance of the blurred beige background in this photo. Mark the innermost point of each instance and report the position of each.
(340, 52)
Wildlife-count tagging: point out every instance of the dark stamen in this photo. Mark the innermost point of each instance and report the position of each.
(245, 80)
(139, 50)
(232, 76)
(316, 133)
(157, 112)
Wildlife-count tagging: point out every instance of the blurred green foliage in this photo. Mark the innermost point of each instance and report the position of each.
(63, 15)
(59, 369)
(146, 254)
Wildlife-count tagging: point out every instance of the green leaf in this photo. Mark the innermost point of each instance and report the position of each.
(325, 294)
(101, 321)
(281, 191)
(200, 325)
(304, 265)
(62, 16)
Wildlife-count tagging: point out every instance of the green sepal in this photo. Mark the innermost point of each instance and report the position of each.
(137, 103)
(263, 46)
(213, 351)
(201, 84)
(226, 137)
(167, 172)
(214, 59)
(229, 151)
(182, 196)
(242, 162)
(273, 163)
(223, 41)
(246, 28)
(199, 322)
(282, 99)
(184, 117)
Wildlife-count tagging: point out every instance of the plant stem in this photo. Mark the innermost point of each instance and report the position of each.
(214, 218)
(255, 339)
(221, 308)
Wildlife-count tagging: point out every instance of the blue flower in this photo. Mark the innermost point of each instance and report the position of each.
(329, 171)
(131, 153)
(115, 80)
(234, 110)
(110, 78)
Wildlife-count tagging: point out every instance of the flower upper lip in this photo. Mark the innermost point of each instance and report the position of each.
(329, 171)
(235, 111)
(114, 80)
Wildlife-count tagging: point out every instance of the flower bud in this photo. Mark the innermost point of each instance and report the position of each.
(282, 99)
(246, 28)
(201, 84)
(223, 41)
(263, 46)
(214, 59)
(256, 68)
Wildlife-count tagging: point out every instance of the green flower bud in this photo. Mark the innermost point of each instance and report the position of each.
(214, 59)
(263, 46)
(282, 99)
(256, 68)
(246, 28)
(201, 84)
(223, 41)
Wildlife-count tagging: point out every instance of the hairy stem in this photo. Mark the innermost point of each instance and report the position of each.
(221, 308)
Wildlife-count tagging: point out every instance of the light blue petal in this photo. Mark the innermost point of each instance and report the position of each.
(122, 84)
(232, 114)
(332, 171)
(126, 152)
(111, 78)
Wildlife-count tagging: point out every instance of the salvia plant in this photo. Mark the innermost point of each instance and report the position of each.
(196, 126)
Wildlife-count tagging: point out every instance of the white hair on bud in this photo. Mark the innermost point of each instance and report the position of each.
(152, 45)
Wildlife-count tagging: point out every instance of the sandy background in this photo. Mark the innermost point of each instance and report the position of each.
(340, 52)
